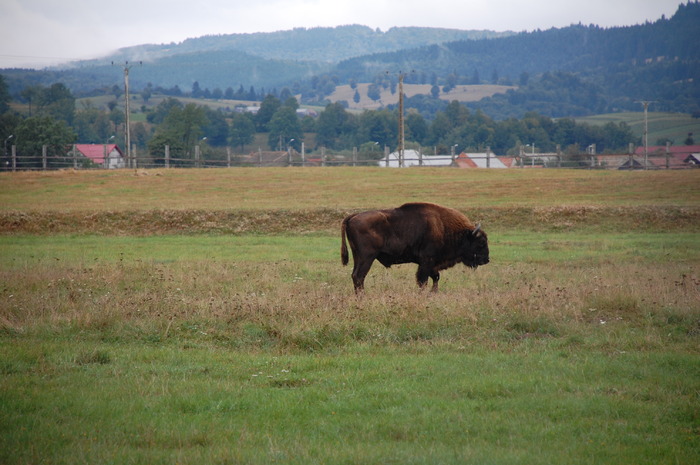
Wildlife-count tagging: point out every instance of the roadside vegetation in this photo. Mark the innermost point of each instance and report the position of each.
(137, 333)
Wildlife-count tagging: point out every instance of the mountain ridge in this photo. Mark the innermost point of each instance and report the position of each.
(594, 69)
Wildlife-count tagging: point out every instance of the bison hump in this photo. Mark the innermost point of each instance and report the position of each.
(451, 219)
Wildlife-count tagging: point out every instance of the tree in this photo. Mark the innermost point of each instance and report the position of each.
(476, 80)
(160, 112)
(374, 92)
(285, 126)
(292, 103)
(439, 129)
(242, 130)
(286, 94)
(196, 91)
(457, 114)
(31, 94)
(216, 129)
(524, 79)
(139, 135)
(147, 92)
(117, 91)
(416, 128)
(181, 129)
(92, 125)
(331, 125)
(356, 97)
(4, 95)
(268, 107)
(57, 102)
(378, 126)
(37, 131)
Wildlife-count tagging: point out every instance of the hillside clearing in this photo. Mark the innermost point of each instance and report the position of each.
(461, 93)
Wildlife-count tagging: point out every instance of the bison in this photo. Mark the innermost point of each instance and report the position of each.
(430, 235)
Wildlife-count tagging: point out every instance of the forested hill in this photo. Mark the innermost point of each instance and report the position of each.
(261, 60)
(320, 44)
(608, 68)
(571, 71)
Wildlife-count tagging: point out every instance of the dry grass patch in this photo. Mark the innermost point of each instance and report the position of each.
(311, 306)
(265, 189)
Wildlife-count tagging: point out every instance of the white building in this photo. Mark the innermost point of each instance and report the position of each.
(415, 158)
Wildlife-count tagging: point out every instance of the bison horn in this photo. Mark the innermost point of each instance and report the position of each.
(477, 229)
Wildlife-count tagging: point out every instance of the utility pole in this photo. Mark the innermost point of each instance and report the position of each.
(646, 131)
(127, 113)
(401, 132)
(401, 122)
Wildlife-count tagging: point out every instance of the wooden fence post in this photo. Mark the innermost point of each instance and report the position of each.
(167, 156)
(43, 157)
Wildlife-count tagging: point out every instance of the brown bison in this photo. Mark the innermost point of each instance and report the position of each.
(432, 236)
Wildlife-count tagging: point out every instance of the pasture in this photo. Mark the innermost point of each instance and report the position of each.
(203, 316)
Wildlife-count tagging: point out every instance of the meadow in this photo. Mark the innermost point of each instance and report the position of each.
(203, 316)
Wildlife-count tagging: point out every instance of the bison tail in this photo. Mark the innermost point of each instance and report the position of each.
(343, 246)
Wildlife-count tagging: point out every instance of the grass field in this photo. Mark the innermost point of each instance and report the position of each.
(461, 93)
(673, 126)
(203, 316)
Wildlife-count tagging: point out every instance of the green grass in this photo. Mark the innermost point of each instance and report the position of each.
(507, 247)
(567, 348)
(168, 404)
(673, 126)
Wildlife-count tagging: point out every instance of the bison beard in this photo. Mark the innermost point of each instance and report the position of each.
(432, 236)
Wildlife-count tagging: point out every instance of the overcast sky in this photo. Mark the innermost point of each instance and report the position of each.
(37, 33)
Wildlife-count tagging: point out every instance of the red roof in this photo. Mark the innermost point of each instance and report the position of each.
(673, 150)
(96, 152)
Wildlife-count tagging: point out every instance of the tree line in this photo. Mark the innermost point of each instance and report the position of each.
(53, 120)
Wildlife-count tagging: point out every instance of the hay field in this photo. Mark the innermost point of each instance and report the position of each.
(461, 93)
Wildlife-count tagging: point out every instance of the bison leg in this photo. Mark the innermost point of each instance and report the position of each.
(423, 274)
(359, 271)
(436, 278)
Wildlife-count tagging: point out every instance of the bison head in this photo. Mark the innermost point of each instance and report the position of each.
(475, 248)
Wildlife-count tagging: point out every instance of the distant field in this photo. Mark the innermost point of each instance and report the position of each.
(461, 93)
(673, 126)
(341, 188)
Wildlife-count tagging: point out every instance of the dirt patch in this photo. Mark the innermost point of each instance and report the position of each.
(327, 220)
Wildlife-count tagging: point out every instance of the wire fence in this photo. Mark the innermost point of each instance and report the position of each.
(61, 158)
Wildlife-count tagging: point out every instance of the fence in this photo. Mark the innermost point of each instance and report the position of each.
(73, 159)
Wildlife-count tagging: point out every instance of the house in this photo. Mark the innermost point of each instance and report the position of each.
(302, 112)
(415, 158)
(479, 160)
(107, 156)
(693, 159)
(673, 156)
